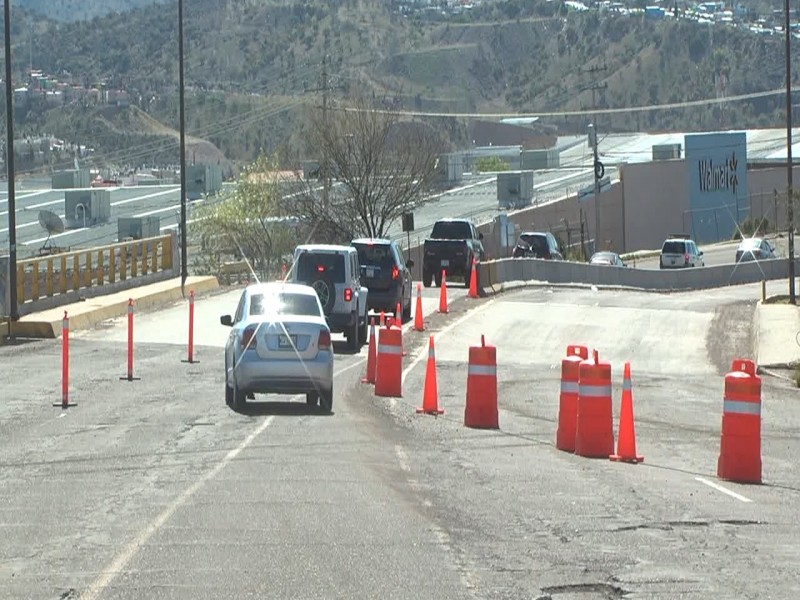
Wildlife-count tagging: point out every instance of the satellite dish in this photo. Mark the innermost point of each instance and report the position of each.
(51, 223)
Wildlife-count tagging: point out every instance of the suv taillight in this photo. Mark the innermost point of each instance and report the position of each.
(324, 342)
(249, 338)
(395, 272)
(348, 294)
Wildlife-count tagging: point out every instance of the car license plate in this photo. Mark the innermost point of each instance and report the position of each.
(445, 263)
(287, 341)
(370, 272)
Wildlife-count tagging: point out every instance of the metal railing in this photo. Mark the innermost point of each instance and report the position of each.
(58, 274)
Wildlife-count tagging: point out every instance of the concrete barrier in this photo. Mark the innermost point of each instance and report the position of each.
(498, 272)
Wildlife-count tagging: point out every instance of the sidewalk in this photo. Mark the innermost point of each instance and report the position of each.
(777, 328)
(92, 311)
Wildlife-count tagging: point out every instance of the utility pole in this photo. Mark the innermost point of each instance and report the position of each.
(325, 88)
(182, 118)
(599, 169)
(789, 165)
(12, 204)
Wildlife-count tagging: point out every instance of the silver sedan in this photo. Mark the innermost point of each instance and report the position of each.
(279, 343)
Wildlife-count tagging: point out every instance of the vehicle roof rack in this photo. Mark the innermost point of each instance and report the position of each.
(680, 236)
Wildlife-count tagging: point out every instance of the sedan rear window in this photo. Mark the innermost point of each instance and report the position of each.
(674, 248)
(537, 243)
(284, 304)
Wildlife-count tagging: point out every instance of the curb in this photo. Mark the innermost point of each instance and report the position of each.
(116, 305)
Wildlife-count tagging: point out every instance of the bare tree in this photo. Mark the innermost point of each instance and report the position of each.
(381, 166)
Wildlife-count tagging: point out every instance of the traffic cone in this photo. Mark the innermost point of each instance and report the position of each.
(626, 438)
(473, 280)
(443, 295)
(383, 320)
(430, 396)
(371, 356)
(418, 324)
(398, 316)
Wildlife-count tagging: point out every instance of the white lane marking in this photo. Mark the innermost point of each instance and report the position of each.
(121, 561)
(723, 489)
(23, 197)
(402, 458)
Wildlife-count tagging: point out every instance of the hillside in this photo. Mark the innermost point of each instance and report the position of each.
(77, 10)
(251, 67)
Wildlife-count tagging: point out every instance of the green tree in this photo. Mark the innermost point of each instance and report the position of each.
(491, 164)
(247, 225)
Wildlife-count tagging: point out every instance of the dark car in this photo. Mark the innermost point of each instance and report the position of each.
(537, 244)
(385, 273)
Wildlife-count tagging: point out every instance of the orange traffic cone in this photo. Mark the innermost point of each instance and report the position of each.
(398, 316)
(382, 322)
(626, 438)
(430, 397)
(443, 295)
(418, 324)
(371, 355)
(473, 280)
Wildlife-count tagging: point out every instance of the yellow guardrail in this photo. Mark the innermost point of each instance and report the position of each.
(48, 276)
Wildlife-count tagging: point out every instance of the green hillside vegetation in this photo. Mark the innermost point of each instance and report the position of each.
(253, 67)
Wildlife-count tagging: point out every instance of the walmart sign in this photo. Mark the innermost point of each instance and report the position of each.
(717, 174)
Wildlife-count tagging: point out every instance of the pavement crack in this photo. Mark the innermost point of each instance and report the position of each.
(70, 593)
(609, 591)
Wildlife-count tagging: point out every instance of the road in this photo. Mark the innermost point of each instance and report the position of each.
(723, 253)
(154, 488)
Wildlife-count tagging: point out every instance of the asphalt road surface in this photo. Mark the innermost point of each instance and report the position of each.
(155, 488)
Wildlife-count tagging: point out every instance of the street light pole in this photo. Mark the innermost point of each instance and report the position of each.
(789, 165)
(12, 205)
(182, 118)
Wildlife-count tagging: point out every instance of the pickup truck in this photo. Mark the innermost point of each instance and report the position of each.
(450, 248)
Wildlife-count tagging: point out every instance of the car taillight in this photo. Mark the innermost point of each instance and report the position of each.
(348, 294)
(324, 342)
(395, 272)
(686, 258)
(249, 338)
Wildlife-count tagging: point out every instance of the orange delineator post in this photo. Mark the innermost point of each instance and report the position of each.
(398, 316)
(473, 279)
(568, 398)
(443, 294)
(418, 323)
(371, 355)
(389, 368)
(626, 436)
(481, 407)
(740, 439)
(594, 430)
(430, 394)
(65, 361)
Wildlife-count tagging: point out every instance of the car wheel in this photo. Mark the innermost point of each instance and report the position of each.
(438, 279)
(312, 398)
(326, 290)
(467, 277)
(364, 331)
(407, 311)
(228, 393)
(352, 337)
(427, 279)
(326, 399)
(239, 397)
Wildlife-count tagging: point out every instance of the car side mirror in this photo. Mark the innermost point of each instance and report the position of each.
(226, 320)
(410, 262)
(699, 253)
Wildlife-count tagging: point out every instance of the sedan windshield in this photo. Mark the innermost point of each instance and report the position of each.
(284, 304)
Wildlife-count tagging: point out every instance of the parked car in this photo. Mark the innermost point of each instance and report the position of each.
(607, 258)
(537, 244)
(279, 343)
(334, 273)
(452, 245)
(755, 249)
(386, 275)
(679, 252)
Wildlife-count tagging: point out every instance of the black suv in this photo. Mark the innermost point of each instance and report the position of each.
(385, 274)
(537, 244)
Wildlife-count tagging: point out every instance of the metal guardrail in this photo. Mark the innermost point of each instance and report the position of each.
(56, 275)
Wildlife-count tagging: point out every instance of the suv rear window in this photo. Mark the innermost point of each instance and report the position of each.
(537, 243)
(310, 265)
(377, 255)
(674, 248)
(451, 230)
(284, 304)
